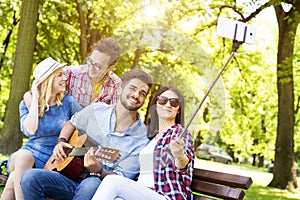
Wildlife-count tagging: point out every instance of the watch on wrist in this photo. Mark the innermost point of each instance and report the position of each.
(61, 139)
(97, 174)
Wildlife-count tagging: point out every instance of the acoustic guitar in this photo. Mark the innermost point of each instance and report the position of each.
(73, 165)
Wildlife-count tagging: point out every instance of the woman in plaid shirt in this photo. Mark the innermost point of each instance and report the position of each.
(166, 163)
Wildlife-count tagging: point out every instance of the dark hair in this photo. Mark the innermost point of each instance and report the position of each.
(152, 129)
(137, 73)
(110, 47)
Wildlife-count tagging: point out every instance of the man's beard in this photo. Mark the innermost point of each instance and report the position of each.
(129, 107)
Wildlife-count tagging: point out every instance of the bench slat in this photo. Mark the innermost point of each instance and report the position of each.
(3, 179)
(217, 190)
(196, 197)
(231, 180)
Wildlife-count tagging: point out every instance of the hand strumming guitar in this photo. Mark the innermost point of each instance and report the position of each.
(59, 152)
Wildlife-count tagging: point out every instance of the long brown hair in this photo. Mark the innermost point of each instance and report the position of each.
(153, 128)
(45, 89)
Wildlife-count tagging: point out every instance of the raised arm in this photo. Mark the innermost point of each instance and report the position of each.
(177, 150)
(31, 121)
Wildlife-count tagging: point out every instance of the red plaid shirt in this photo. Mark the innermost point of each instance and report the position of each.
(80, 87)
(170, 181)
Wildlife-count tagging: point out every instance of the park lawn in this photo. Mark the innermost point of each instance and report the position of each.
(259, 192)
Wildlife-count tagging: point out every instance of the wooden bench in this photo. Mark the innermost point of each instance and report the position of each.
(207, 185)
(3, 175)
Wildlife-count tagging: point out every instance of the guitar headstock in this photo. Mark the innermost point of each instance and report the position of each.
(107, 154)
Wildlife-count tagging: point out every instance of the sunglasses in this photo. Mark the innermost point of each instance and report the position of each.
(174, 102)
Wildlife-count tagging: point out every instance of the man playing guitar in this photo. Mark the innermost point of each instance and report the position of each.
(117, 126)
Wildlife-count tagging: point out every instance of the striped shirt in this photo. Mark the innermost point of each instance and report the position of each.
(169, 181)
(80, 87)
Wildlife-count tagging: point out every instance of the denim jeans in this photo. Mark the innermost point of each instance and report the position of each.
(39, 184)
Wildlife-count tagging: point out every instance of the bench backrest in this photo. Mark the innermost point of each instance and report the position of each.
(3, 173)
(219, 184)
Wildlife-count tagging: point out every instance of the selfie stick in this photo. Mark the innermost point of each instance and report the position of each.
(235, 46)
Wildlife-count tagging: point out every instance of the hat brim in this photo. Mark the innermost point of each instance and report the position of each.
(50, 71)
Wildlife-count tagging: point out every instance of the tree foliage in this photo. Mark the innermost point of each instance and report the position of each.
(175, 41)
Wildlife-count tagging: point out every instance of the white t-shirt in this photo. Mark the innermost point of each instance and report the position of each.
(146, 157)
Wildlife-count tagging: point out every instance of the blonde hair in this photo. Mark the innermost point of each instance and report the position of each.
(45, 94)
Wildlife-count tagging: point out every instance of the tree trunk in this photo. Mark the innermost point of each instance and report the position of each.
(261, 160)
(88, 36)
(83, 31)
(284, 172)
(254, 159)
(11, 137)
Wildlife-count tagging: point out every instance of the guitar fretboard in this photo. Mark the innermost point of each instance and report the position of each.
(80, 151)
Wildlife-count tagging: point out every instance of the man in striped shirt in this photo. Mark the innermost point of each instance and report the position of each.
(95, 81)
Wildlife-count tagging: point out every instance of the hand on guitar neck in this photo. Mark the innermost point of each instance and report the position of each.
(91, 162)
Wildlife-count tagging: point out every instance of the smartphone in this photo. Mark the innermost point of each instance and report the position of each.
(236, 30)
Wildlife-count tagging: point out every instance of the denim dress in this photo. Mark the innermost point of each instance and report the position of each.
(41, 144)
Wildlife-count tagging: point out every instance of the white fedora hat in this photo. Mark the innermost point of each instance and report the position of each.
(45, 68)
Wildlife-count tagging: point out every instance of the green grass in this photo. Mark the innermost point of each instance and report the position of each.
(259, 192)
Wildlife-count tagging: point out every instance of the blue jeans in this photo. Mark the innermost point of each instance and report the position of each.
(39, 184)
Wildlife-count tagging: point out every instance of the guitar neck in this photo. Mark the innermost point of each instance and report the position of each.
(105, 154)
(80, 151)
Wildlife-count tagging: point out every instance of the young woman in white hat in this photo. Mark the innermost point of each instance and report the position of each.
(49, 111)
